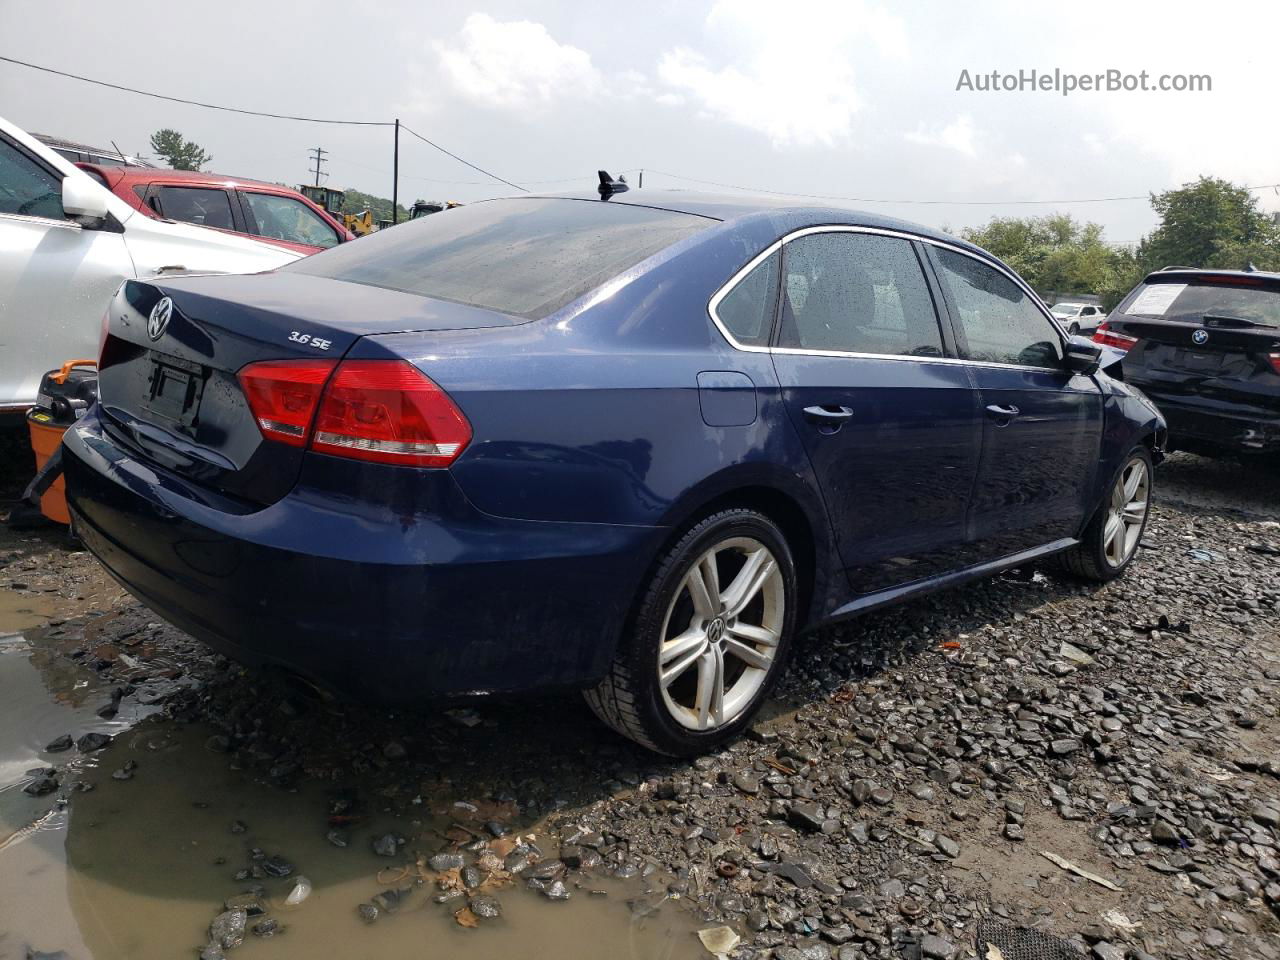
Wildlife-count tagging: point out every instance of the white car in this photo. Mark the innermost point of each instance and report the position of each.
(66, 244)
(1079, 318)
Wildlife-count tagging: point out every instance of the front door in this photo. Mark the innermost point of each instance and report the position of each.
(890, 422)
(1043, 425)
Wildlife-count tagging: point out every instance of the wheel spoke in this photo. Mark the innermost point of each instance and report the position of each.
(1133, 481)
(758, 568)
(679, 654)
(710, 700)
(1111, 531)
(748, 655)
(1134, 511)
(750, 633)
(703, 605)
(711, 579)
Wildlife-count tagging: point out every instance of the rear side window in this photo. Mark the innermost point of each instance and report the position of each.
(203, 206)
(1192, 302)
(284, 218)
(857, 293)
(747, 310)
(998, 319)
(523, 257)
(26, 188)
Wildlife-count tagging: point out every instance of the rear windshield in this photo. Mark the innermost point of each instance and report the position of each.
(526, 257)
(1194, 301)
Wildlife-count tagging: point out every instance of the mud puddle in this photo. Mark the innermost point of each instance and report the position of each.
(105, 868)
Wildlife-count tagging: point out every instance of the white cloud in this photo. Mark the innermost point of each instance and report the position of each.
(957, 135)
(513, 64)
(790, 77)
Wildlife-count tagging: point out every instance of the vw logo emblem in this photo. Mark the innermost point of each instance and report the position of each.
(158, 322)
(715, 630)
(1200, 336)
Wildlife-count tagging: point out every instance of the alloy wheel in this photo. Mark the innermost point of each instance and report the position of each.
(721, 633)
(1126, 512)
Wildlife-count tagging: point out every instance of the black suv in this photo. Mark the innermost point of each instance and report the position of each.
(1205, 346)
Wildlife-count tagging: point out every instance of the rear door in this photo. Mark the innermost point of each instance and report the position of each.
(1042, 424)
(203, 206)
(887, 414)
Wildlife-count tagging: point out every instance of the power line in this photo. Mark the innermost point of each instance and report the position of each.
(976, 203)
(460, 160)
(197, 103)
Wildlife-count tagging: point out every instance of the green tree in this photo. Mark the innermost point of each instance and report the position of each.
(1210, 223)
(179, 153)
(1055, 254)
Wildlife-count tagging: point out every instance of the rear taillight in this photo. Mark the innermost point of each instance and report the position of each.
(283, 395)
(388, 411)
(1110, 338)
(1274, 359)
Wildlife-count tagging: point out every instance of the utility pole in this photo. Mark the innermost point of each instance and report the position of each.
(318, 157)
(395, 179)
(640, 186)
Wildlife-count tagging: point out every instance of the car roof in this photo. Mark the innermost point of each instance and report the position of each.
(796, 212)
(193, 177)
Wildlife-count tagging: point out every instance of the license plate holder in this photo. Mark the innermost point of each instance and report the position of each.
(174, 387)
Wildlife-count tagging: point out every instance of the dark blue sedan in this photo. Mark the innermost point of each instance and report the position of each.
(630, 445)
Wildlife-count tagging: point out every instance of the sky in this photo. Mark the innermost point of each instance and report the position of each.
(848, 98)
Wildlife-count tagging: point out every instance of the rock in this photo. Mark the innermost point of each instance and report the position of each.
(1013, 831)
(250, 903)
(485, 906)
(1266, 815)
(388, 846)
(367, 912)
(936, 948)
(227, 929)
(947, 846)
(1104, 950)
(60, 744)
(1163, 832)
(440, 862)
(212, 951)
(556, 890)
(1065, 747)
(266, 928)
(337, 837)
(395, 750)
(747, 782)
(277, 866)
(806, 816)
(40, 786)
(92, 741)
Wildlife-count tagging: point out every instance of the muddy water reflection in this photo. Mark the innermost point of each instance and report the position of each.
(137, 868)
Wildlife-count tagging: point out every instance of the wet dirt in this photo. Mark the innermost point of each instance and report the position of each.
(137, 868)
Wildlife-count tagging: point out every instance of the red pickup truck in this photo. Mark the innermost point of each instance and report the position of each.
(264, 211)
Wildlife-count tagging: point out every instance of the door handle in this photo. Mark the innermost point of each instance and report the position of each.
(828, 414)
(997, 412)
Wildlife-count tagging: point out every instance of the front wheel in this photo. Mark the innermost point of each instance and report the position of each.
(1111, 538)
(708, 638)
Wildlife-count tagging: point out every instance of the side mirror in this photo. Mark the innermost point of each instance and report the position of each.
(84, 202)
(1083, 356)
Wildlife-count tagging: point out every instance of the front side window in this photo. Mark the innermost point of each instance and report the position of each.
(284, 218)
(26, 188)
(1000, 322)
(747, 310)
(857, 293)
(203, 206)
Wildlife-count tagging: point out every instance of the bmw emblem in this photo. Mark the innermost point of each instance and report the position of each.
(158, 322)
(1200, 337)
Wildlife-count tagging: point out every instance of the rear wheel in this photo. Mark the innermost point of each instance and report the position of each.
(708, 639)
(1111, 539)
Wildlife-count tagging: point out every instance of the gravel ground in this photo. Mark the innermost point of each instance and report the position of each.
(1097, 763)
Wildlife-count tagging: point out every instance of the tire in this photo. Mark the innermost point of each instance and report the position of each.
(1074, 329)
(1095, 558)
(701, 638)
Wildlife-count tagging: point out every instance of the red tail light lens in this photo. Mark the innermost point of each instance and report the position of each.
(1275, 361)
(1110, 338)
(283, 395)
(388, 411)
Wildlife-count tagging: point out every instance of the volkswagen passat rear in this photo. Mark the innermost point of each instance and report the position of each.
(630, 446)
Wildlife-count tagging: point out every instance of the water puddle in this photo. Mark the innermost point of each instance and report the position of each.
(158, 825)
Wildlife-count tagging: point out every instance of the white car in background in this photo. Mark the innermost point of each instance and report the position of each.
(66, 244)
(1079, 318)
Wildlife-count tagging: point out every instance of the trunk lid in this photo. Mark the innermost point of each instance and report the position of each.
(169, 384)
